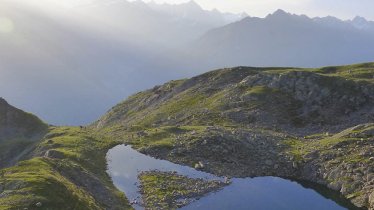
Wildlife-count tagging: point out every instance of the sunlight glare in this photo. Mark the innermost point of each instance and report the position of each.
(6, 25)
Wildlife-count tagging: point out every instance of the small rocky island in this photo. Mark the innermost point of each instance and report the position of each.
(168, 190)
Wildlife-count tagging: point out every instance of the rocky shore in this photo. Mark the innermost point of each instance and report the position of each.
(168, 190)
(343, 162)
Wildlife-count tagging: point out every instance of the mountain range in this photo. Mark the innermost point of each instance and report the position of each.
(284, 39)
(56, 61)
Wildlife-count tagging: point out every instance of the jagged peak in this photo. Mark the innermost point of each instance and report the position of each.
(192, 4)
(244, 14)
(359, 19)
(280, 12)
(215, 10)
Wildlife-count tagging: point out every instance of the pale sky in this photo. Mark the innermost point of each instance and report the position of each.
(344, 9)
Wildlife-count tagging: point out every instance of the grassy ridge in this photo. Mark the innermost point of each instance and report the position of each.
(53, 181)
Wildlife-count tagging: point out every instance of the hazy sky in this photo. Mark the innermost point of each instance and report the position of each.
(345, 9)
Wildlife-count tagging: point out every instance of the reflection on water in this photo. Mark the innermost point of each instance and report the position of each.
(125, 163)
(265, 193)
(262, 193)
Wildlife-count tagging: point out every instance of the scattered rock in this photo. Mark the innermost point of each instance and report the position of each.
(295, 165)
(276, 166)
(54, 154)
(269, 162)
(199, 165)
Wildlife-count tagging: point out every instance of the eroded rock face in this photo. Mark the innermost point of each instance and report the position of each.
(322, 100)
(345, 164)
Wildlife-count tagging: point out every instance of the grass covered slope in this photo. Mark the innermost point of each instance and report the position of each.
(67, 171)
(244, 121)
(55, 167)
(19, 132)
(15, 123)
(288, 98)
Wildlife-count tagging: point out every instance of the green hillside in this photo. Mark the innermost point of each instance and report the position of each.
(244, 121)
(19, 132)
(315, 125)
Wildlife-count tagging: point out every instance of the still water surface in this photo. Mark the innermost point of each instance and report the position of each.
(262, 193)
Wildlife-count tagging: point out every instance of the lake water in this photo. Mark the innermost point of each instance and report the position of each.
(262, 193)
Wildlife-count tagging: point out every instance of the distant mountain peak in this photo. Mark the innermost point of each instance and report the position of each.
(362, 23)
(244, 14)
(280, 12)
(359, 19)
(192, 11)
(192, 4)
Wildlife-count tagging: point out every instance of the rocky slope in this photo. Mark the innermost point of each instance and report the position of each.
(19, 131)
(306, 124)
(299, 101)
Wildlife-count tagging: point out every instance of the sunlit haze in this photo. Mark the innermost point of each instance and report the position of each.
(83, 56)
(187, 104)
(345, 9)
